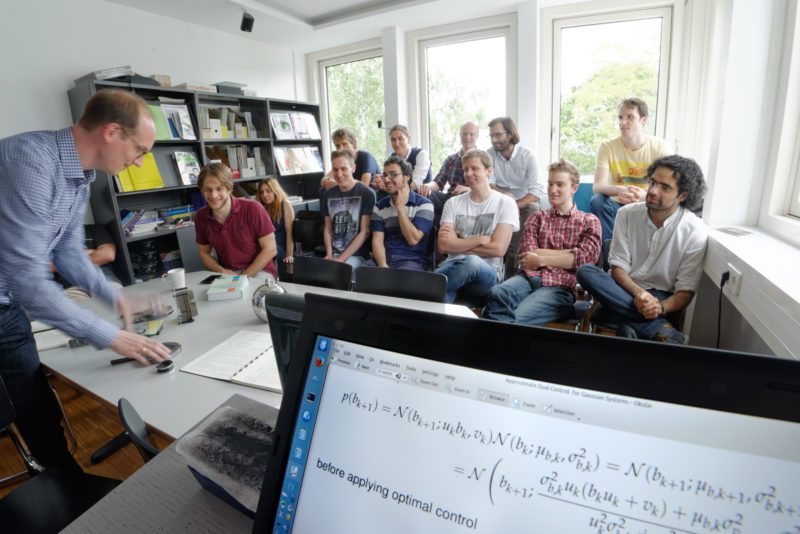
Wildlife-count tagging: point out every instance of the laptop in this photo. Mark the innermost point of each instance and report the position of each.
(405, 421)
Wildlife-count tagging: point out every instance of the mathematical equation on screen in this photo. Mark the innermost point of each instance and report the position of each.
(662, 502)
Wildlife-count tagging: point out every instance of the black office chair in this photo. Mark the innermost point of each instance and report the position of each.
(420, 285)
(51, 499)
(307, 231)
(136, 430)
(322, 273)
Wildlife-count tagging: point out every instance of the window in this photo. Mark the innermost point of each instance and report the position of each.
(597, 60)
(351, 95)
(459, 72)
(464, 79)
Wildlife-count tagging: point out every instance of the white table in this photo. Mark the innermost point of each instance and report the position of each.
(173, 402)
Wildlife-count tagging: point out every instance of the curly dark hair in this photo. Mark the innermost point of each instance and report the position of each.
(689, 176)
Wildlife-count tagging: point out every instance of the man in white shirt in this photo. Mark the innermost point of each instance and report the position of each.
(621, 166)
(515, 174)
(475, 232)
(656, 254)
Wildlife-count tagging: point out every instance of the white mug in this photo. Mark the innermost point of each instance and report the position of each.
(175, 278)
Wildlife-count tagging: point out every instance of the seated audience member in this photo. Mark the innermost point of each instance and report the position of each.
(418, 157)
(101, 251)
(346, 208)
(237, 229)
(475, 232)
(656, 253)
(555, 243)
(272, 196)
(366, 165)
(515, 174)
(619, 173)
(401, 222)
(452, 171)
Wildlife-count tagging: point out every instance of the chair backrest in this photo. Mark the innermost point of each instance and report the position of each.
(284, 314)
(308, 233)
(322, 273)
(136, 429)
(419, 285)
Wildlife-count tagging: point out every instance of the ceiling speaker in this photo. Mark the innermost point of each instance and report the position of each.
(247, 22)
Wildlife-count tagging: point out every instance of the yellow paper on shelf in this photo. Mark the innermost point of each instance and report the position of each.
(146, 176)
(224, 132)
(125, 181)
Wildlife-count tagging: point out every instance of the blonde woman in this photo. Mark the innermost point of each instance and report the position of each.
(272, 196)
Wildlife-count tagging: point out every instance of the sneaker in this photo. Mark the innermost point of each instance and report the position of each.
(669, 334)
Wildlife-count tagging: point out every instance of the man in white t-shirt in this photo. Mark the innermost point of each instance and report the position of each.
(475, 231)
(656, 254)
(621, 167)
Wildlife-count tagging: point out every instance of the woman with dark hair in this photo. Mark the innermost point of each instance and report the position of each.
(272, 196)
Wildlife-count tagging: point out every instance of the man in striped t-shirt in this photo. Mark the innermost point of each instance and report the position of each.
(401, 222)
(555, 243)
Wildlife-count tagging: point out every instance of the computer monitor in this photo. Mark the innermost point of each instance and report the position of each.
(406, 421)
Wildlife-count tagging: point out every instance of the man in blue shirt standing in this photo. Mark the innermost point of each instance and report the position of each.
(402, 222)
(44, 186)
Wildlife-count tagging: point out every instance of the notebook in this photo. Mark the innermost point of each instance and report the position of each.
(404, 421)
(245, 358)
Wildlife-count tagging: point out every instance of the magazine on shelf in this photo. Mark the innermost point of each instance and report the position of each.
(188, 166)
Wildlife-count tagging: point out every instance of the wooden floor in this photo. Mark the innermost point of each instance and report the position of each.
(94, 423)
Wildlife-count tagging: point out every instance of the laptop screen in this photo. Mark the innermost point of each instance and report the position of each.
(383, 440)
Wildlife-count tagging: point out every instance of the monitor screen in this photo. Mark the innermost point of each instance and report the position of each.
(386, 441)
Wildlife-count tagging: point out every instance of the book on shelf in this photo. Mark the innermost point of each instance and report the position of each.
(179, 223)
(261, 169)
(188, 166)
(282, 125)
(179, 121)
(245, 358)
(162, 130)
(228, 287)
(196, 87)
(297, 159)
(123, 182)
(183, 209)
(146, 176)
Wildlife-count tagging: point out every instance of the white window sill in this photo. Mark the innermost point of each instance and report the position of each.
(769, 297)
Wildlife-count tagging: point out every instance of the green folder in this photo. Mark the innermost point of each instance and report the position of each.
(162, 132)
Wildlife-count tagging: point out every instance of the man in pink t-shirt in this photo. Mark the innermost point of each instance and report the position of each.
(238, 229)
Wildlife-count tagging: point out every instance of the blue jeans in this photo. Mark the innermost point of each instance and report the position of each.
(524, 300)
(38, 416)
(618, 302)
(411, 265)
(606, 210)
(470, 275)
(353, 260)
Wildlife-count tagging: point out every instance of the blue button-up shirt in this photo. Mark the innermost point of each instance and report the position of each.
(43, 196)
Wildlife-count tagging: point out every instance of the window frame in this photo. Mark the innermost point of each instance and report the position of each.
(417, 43)
(590, 13)
(318, 83)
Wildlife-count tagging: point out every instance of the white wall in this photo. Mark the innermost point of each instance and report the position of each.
(48, 43)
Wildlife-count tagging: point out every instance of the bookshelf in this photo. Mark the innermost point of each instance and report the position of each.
(137, 255)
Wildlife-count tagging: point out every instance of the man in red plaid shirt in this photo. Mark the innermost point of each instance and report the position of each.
(556, 242)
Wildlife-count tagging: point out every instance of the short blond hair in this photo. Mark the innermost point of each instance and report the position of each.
(486, 159)
(220, 171)
(563, 165)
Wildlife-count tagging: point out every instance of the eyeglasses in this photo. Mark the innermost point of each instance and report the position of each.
(140, 149)
(498, 135)
(392, 175)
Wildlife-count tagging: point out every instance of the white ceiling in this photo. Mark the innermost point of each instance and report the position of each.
(310, 25)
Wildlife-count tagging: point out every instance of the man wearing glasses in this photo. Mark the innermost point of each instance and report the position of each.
(515, 174)
(401, 222)
(44, 186)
